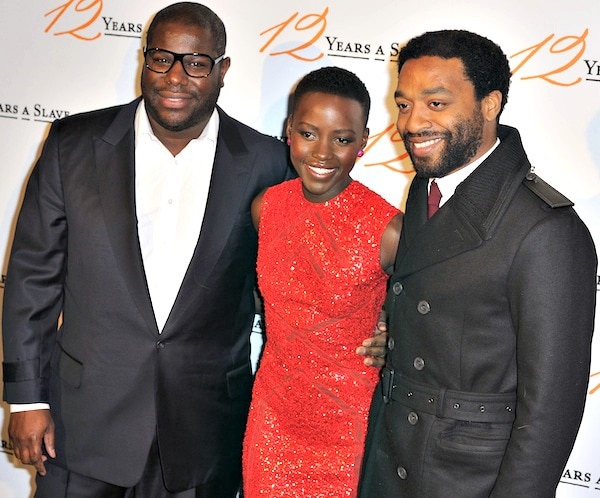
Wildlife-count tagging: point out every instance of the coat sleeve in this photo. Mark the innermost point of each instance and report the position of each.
(552, 293)
(33, 293)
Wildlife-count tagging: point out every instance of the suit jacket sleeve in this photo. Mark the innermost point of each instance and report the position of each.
(33, 294)
(552, 294)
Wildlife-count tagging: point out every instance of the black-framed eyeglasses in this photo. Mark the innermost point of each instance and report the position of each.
(195, 65)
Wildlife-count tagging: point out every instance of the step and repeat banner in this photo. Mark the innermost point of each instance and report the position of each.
(61, 57)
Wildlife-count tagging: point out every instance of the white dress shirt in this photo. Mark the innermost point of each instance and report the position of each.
(171, 194)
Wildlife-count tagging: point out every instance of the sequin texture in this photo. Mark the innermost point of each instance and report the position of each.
(322, 284)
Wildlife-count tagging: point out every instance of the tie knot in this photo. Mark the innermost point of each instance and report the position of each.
(433, 201)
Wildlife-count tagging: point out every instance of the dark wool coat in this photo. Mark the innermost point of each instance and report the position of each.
(491, 313)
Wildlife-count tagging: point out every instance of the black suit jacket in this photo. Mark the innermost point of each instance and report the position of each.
(491, 311)
(112, 381)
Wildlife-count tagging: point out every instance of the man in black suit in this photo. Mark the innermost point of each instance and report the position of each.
(491, 304)
(136, 230)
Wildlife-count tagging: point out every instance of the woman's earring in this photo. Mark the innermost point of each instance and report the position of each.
(361, 153)
(289, 142)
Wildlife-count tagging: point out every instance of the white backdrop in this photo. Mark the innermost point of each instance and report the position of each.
(66, 56)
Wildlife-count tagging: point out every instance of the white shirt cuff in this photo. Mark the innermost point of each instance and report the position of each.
(23, 407)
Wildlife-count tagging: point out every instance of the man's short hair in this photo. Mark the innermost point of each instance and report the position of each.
(191, 14)
(486, 65)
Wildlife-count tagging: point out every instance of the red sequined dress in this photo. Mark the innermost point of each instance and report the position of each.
(320, 276)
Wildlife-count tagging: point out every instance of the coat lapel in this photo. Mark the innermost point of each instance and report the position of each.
(427, 242)
(115, 166)
(469, 217)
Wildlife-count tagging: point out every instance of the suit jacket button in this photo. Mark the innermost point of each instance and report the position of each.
(397, 288)
(160, 345)
(402, 474)
(423, 307)
(419, 363)
(413, 418)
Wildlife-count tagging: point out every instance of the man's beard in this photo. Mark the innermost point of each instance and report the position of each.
(461, 145)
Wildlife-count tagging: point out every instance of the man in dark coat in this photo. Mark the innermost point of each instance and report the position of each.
(491, 305)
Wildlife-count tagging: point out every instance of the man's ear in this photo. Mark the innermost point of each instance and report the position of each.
(491, 104)
(224, 67)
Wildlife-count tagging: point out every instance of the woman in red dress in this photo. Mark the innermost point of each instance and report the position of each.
(326, 243)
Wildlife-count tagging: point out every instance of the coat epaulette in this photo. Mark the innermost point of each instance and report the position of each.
(545, 191)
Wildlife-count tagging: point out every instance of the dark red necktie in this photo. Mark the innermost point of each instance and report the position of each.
(433, 201)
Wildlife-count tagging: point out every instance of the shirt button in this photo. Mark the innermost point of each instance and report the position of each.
(419, 363)
(413, 418)
(402, 474)
(397, 288)
(423, 307)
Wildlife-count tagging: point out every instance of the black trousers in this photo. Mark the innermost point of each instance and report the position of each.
(62, 483)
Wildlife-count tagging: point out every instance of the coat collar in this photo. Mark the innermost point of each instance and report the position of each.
(470, 216)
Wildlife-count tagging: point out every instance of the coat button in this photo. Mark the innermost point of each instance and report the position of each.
(413, 418)
(419, 363)
(391, 343)
(402, 474)
(397, 288)
(423, 307)
(160, 345)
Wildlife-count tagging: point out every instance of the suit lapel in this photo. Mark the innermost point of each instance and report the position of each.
(115, 166)
(228, 184)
